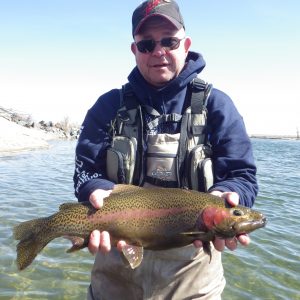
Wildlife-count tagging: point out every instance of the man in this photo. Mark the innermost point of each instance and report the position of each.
(165, 68)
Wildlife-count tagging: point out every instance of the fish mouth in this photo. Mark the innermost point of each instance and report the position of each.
(248, 226)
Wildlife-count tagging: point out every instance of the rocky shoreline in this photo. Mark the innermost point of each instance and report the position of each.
(20, 133)
(274, 137)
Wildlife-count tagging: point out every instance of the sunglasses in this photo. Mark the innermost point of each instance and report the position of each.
(168, 43)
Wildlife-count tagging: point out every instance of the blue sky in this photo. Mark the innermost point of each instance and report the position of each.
(57, 57)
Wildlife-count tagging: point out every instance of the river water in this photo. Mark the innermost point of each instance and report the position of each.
(35, 183)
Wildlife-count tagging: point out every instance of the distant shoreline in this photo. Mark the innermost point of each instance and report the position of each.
(274, 137)
(19, 134)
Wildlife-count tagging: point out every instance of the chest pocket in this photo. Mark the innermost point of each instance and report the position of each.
(162, 160)
(121, 157)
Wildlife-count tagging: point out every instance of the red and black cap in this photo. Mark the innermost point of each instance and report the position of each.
(167, 9)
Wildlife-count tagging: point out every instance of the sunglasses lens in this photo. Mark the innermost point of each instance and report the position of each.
(145, 46)
(170, 43)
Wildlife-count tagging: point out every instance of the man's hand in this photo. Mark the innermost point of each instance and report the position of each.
(97, 197)
(100, 241)
(233, 199)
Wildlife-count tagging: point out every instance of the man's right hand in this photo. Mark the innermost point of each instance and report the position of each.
(100, 241)
(97, 197)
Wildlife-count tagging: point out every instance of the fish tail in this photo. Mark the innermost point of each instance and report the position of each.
(34, 235)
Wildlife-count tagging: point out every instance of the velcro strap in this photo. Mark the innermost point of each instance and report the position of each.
(164, 119)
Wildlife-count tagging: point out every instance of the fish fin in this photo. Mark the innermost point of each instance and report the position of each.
(198, 235)
(78, 243)
(204, 237)
(207, 249)
(124, 188)
(67, 205)
(34, 236)
(133, 254)
(25, 229)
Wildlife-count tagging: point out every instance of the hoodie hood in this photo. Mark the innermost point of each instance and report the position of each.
(145, 92)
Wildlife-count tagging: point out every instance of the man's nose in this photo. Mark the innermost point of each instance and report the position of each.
(159, 50)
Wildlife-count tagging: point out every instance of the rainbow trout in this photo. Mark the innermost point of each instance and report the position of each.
(150, 218)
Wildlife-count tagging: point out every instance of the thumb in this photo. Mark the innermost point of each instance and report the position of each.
(232, 198)
(97, 196)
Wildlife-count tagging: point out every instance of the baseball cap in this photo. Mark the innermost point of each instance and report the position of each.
(167, 9)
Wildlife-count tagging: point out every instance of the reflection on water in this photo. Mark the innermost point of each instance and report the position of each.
(34, 184)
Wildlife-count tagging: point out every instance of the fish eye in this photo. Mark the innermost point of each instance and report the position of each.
(237, 212)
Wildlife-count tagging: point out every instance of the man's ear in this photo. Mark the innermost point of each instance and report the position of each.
(133, 48)
(187, 44)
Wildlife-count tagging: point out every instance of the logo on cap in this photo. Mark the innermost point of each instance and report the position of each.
(151, 5)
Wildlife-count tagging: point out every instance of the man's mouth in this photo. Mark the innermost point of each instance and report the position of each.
(159, 65)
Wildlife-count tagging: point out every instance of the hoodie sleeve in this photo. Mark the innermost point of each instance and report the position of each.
(234, 167)
(90, 161)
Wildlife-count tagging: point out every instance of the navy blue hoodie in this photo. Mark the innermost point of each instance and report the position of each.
(234, 167)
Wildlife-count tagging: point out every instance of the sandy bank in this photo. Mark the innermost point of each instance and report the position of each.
(16, 138)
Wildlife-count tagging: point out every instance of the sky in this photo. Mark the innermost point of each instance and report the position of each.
(57, 57)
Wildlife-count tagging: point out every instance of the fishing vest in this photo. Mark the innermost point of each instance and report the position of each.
(167, 160)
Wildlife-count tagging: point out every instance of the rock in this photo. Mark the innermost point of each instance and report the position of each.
(19, 132)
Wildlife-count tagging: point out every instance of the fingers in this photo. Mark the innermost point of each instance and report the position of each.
(99, 242)
(105, 245)
(231, 197)
(217, 193)
(231, 243)
(219, 244)
(198, 244)
(97, 196)
(94, 241)
(120, 245)
(244, 239)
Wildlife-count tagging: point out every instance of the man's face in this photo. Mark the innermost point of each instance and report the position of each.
(161, 65)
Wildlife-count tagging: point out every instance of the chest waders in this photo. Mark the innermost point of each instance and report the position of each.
(168, 160)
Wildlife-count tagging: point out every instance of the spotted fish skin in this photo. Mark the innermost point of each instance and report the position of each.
(152, 218)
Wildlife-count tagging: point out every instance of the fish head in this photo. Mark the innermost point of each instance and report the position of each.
(228, 222)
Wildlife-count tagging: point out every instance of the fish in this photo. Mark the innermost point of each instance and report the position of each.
(146, 218)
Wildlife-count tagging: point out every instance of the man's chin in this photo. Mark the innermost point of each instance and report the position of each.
(161, 82)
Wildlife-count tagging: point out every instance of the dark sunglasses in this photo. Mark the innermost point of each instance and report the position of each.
(168, 43)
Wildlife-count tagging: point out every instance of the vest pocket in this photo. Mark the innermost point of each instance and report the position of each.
(115, 166)
(120, 159)
(205, 175)
(199, 169)
(162, 160)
